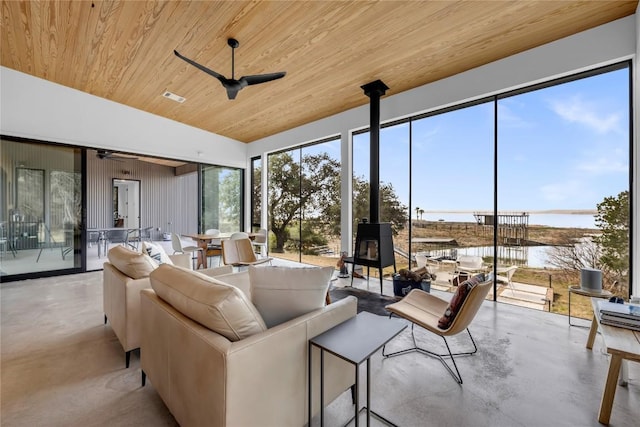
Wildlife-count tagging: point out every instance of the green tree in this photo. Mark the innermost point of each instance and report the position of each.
(230, 200)
(391, 209)
(613, 219)
(256, 191)
(313, 184)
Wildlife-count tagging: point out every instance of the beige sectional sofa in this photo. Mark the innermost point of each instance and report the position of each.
(214, 362)
(124, 276)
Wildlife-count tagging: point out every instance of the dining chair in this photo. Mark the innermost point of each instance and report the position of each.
(176, 244)
(214, 248)
(136, 236)
(443, 318)
(116, 236)
(260, 242)
(239, 235)
(239, 253)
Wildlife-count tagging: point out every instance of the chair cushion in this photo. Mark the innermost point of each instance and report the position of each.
(156, 252)
(220, 307)
(458, 299)
(131, 263)
(283, 293)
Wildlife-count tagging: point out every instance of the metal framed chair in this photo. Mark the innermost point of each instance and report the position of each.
(139, 235)
(116, 236)
(425, 310)
(214, 248)
(5, 241)
(260, 242)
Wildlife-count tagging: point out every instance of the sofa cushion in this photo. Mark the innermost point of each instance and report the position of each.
(131, 263)
(283, 293)
(458, 299)
(220, 307)
(156, 252)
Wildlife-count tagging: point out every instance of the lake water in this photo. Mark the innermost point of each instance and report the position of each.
(551, 220)
(531, 256)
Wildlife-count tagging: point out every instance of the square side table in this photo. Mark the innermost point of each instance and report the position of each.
(354, 341)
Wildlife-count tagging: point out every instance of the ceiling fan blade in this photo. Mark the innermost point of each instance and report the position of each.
(200, 67)
(262, 78)
(232, 92)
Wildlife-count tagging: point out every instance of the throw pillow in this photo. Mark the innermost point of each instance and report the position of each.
(131, 263)
(458, 299)
(283, 293)
(156, 252)
(220, 307)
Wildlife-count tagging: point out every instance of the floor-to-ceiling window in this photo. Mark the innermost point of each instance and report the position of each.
(221, 199)
(41, 205)
(304, 203)
(394, 186)
(452, 182)
(533, 185)
(563, 187)
(256, 194)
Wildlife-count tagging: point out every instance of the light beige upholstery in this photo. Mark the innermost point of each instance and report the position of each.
(121, 292)
(220, 307)
(239, 252)
(423, 309)
(134, 264)
(283, 293)
(207, 380)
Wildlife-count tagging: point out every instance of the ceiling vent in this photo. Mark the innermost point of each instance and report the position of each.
(174, 97)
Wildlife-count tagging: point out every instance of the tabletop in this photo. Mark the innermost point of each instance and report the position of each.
(590, 293)
(356, 339)
(618, 340)
(202, 236)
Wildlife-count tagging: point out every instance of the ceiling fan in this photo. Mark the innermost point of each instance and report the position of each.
(110, 155)
(232, 85)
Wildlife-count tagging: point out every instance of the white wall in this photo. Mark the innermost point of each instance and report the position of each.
(35, 108)
(607, 44)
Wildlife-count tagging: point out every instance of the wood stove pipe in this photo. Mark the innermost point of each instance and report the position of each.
(374, 91)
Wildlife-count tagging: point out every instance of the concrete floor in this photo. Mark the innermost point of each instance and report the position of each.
(61, 366)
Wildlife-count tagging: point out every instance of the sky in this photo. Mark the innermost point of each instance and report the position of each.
(561, 147)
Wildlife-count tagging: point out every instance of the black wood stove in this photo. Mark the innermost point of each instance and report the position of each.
(374, 240)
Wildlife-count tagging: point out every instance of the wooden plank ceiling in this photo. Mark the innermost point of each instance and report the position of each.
(123, 50)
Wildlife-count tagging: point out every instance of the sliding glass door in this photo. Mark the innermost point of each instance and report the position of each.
(41, 205)
(221, 199)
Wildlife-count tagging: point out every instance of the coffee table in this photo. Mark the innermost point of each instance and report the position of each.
(355, 341)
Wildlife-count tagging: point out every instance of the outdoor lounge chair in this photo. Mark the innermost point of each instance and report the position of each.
(425, 310)
(505, 275)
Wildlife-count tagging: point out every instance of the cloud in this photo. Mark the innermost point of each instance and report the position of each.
(576, 110)
(605, 163)
(561, 191)
(507, 117)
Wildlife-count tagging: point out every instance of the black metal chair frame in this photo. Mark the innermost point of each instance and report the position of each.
(440, 356)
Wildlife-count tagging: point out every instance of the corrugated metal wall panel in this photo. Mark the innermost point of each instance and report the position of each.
(14, 155)
(167, 202)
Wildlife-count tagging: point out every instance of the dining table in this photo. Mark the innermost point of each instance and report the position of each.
(203, 240)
